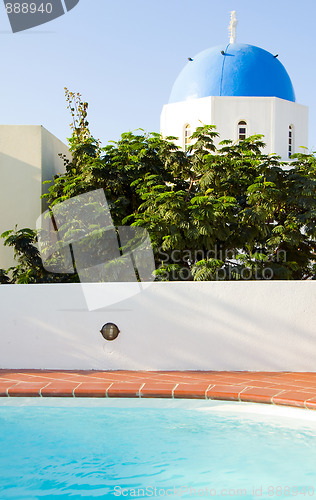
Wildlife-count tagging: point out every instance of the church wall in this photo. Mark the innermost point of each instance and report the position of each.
(175, 116)
(256, 111)
(290, 113)
(268, 116)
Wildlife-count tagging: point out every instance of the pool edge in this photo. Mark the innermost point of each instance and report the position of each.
(296, 389)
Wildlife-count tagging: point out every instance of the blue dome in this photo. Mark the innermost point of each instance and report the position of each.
(243, 70)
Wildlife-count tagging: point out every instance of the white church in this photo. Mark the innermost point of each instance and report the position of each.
(242, 89)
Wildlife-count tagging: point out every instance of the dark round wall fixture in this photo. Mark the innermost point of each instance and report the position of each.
(110, 331)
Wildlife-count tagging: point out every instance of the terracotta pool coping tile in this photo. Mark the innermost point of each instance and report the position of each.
(124, 389)
(59, 388)
(300, 385)
(180, 377)
(152, 389)
(284, 388)
(276, 381)
(91, 389)
(46, 376)
(16, 377)
(262, 384)
(223, 378)
(301, 382)
(5, 386)
(258, 395)
(293, 398)
(229, 392)
(302, 389)
(102, 380)
(192, 391)
(310, 404)
(118, 380)
(123, 377)
(74, 376)
(26, 389)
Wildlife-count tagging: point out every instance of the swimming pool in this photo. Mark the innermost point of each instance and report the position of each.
(62, 448)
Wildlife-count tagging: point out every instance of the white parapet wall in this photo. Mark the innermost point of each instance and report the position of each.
(168, 326)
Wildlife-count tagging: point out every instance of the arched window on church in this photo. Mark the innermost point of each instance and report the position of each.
(291, 141)
(187, 136)
(242, 130)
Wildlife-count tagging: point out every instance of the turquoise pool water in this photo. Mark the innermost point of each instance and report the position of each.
(154, 448)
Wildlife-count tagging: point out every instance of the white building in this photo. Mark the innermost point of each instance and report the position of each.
(243, 90)
(28, 157)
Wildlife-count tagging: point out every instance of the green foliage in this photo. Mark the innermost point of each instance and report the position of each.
(238, 215)
(225, 212)
(117, 168)
(85, 155)
(4, 278)
(29, 268)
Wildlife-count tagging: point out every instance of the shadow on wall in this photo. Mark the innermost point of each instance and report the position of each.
(249, 325)
(245, 326)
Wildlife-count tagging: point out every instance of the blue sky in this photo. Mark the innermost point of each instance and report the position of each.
(124, 55)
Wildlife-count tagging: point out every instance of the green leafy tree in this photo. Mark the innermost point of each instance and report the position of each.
(4, 278)
(29, 268)
(226, 212)
(241, 214)
(114, 168)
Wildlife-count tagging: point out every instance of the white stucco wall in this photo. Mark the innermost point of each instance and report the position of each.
(269, 116)
(290, 113)
(175, 116)
(52, 164)
(169, 326)
(28, 156)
